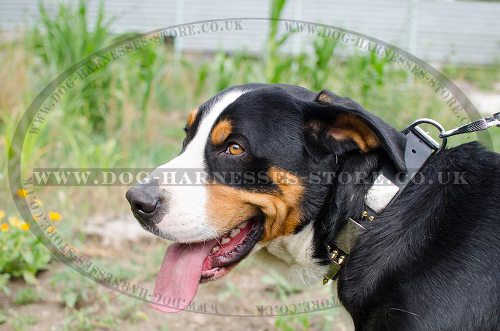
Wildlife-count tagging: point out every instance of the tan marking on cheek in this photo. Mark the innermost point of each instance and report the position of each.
(287, 205)
(192, 117)
(220, 132)
(228, 206)
(351, 127)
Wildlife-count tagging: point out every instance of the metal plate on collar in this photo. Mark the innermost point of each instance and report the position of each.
(345, 241)
(348, 235)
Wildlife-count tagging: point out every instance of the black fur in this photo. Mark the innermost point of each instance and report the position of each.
(431, 260)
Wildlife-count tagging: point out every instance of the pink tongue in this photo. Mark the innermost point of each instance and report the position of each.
(179, 276)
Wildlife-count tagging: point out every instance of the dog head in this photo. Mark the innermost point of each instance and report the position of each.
(243, 183)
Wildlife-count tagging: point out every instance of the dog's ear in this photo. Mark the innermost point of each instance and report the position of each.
(330, 118)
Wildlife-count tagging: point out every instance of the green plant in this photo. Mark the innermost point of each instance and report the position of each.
(130, 310)
(3, 318)
(321, 68)
(369, 72)
(4, 280)
(277, 66)
(223, 69)
(87, 319)
(63, 39)
(101, 106)
(21, 253)
(76, 290)
(145, 67)
(26, 296)
(201, 78)
(20, 323)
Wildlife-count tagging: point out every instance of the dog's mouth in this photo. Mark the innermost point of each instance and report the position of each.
(230, 249)
(186, 265)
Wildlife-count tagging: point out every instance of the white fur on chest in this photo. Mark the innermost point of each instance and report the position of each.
(291, 257)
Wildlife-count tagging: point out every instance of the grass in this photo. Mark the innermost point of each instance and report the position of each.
(75, 292)
(26, 296)
(131, 113)
(485, 77)
(21, 323)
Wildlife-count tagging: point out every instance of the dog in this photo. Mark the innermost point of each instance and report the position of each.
(429, 260)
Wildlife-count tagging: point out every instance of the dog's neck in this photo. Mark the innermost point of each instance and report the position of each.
(300, 258)
(386, 185)
(303, 256)
(291, 257)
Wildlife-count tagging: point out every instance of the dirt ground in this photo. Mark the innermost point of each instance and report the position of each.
(244, 299)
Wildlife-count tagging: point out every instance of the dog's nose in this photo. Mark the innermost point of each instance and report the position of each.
(144, 199)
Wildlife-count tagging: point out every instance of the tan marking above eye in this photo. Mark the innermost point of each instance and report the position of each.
(234, 149)
(192, 117)
(220, 132)
(228, 206)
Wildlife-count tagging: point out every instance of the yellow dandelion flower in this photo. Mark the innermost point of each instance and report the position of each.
(15, 221)
(24, 227)
(22, 193)
(51, 229)
(2, 214)
(54, 216)
(4, 227)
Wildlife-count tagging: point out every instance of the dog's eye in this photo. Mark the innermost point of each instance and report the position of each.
(234, 149)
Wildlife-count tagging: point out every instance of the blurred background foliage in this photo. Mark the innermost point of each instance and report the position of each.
(123, 104)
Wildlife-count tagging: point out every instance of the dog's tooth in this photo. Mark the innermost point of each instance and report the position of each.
(225, 241)
(215, 249)
(234, 232)
(242, 225)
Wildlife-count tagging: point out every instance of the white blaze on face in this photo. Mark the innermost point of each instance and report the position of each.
(186, 219)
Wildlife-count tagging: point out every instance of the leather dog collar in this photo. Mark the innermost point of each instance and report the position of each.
(386, 188)
(388, 184)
